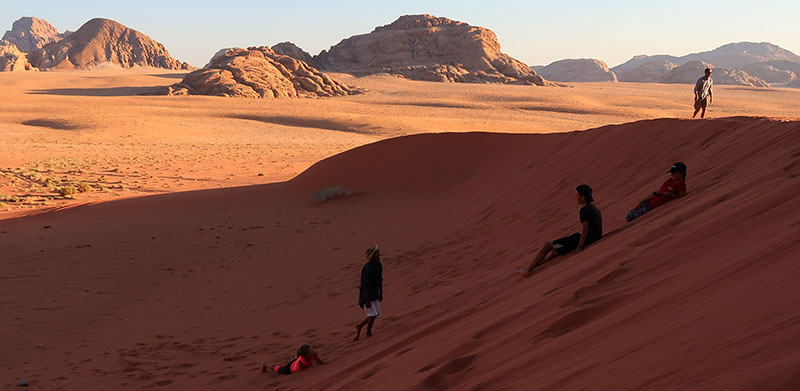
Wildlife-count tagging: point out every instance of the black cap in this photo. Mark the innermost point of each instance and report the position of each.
(677, 167)
(586, 191)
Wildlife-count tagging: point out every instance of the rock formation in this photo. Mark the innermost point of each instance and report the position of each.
(258, 72)
(794, 84)
(425, 47)
(732, 55)
(779, 71)
(649, 72)
(30, 34)
(13, 59)
(101, 41)
(578, 70)
(689, 73)
(292, 50)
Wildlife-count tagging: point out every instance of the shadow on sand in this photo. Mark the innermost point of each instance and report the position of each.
(109, 91)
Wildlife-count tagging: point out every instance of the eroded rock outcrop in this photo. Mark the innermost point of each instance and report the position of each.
(258, 72)
(13, 59)
(779, 71)
(292, 50)
(649, 72)
(425, 47)
(689, 73)
(101, 41)
(578, 70)
(29, 34)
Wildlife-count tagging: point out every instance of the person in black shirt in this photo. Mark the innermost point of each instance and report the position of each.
(370, 292)
(592, 223)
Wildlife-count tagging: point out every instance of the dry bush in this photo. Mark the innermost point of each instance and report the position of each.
(329, 193)
(67, 191)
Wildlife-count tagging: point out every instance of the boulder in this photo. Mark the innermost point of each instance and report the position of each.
(258, 72)
(578, 70)
(425, 47)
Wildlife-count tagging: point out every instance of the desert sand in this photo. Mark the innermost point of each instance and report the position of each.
(191, 290)
(93, 127)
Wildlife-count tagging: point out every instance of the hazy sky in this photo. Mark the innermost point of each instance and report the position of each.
(536, 32)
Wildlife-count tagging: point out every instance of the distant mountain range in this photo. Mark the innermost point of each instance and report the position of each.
(34, 44)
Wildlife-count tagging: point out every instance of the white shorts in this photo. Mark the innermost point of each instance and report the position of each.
(374, 309)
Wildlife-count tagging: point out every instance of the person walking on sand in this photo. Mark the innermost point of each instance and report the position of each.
(674, 187)
(306, 355)
(592, 231)
(370, 292)
(702, 93)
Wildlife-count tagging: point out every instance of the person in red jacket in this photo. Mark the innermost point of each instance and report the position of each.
(306, 355)
(674, 187)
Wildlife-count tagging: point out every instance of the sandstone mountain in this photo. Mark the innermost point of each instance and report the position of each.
(258, 72)
(795, 84)
(30, 34)
(689, 72)
(732, 55)
(425, 47)
(779, 71)
(649, 72)
(13, 59)
(292, 50)
(736, 55)
(578, 70)
(101, 41)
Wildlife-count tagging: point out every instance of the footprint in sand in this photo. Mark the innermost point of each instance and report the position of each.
(443, 377)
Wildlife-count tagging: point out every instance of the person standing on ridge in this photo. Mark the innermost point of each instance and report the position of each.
(592, 231)
(370, 292)
(702, 93)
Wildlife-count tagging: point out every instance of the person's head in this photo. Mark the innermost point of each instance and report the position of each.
(373, 253)
(304, 350)
(678, 171)
(708, 72)
(583, 194)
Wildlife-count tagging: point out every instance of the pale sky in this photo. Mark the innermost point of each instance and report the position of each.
(535, 32)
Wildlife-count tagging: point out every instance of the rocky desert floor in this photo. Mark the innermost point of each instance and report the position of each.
(86, 136)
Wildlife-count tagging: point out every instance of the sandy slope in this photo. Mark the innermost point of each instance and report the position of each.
(192, 290)
(91, 127)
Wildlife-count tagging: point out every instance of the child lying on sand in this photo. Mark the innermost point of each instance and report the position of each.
(306, 356)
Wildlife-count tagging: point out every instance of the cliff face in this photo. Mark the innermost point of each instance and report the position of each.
(101, 41)
(13, 59)
(689, 73)
(30, 34)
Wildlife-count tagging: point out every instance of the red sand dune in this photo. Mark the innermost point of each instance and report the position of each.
(192, 290)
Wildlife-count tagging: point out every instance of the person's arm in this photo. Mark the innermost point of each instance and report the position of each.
(585, 232)
(317, 359)
(710, 95)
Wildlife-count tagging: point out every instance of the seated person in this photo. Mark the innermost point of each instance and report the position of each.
(673, 187)
(592, 231)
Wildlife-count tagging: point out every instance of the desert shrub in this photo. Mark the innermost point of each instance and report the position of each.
(67, 191)
(83, 187)
(328, 193)
(9, 198)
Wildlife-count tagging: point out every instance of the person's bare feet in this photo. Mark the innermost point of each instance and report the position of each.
(524, 272)
(358, 333)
